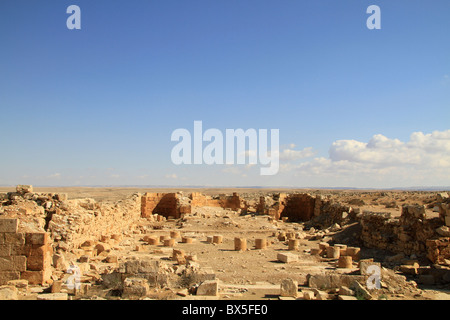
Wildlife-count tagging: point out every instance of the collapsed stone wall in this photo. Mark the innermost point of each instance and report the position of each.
(328, 213)
(69, 222)
(76, 221)
(272, 205)
(408, 233)
(443, 206)
(304, 207)
(438, 250)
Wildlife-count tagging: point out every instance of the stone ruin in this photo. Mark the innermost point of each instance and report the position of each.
(44, 235)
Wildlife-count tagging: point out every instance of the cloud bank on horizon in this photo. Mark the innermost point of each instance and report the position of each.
(424, 160)
(381, 162)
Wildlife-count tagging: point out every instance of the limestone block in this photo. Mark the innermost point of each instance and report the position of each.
(208, 288)
(135, 287)
(287, 257)
(289, 288)
(13, 263)
(8, 293)
(53, 296)
(8, 225)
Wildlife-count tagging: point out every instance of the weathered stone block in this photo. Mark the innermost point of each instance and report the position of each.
(441, 197)
(41, 238)
(38, 263)
(409, 269)
(22, 189)
(5, 250)
(141, 266)
(17, 239)
(8, 293)
(178, 253)
(289, 288)
(102, 247)
(53, 296)
(8, 225)
(19, 284)
(135, 287)
(332, 281)
(366, 263)
(345, 291)
(208, 288)
(360, 291)
(36, 277)
(13, 263)
(308, 295)
(6, 276)
(287, 257)
(447, 221)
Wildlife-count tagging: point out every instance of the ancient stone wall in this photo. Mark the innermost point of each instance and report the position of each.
(69, 222)
(232, 202)
(444, 208)
(303, 207)
(328, 212)
(164, 204)
(438, 250)
(24, 255)
(175, 205)
(76, 221)
(407, 234)
(298, 207)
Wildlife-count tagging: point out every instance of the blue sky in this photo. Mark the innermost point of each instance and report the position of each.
(97, 106)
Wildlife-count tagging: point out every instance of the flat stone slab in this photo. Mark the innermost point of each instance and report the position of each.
(53, 296)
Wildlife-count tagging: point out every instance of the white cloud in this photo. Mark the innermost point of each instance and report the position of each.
(171, 176)
(55, 176)
(423, 160)
(423, 150)
(289, 154)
